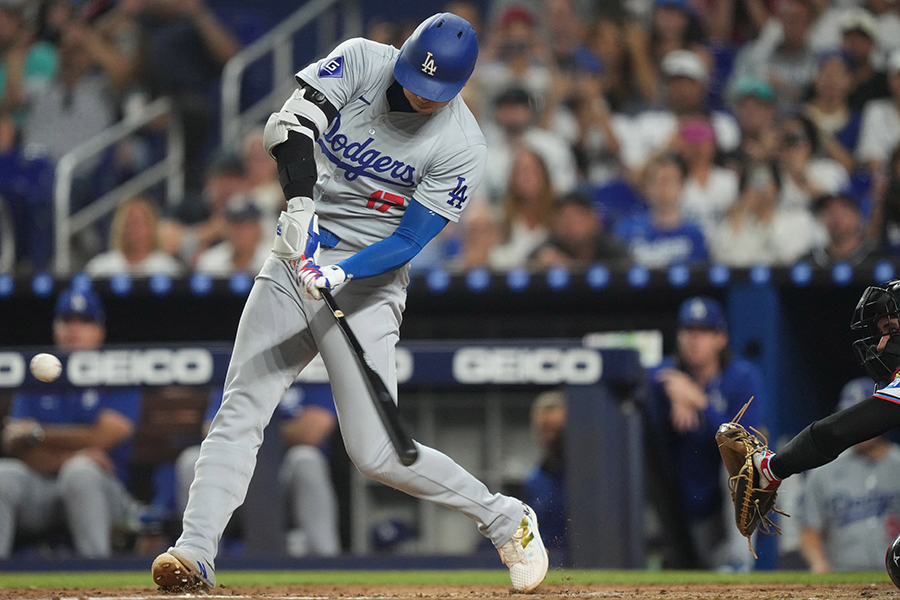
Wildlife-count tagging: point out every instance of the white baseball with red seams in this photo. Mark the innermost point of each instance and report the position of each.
(45, 367)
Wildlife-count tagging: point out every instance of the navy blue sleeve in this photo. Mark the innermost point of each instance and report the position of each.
(418, 226)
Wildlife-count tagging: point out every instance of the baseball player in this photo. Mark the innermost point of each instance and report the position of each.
(376, 153)
(877, 317)
(67, 449)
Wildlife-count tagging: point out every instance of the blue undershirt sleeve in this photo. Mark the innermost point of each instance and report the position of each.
(417, 227)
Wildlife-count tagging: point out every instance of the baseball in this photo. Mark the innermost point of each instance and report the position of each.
(45, 367)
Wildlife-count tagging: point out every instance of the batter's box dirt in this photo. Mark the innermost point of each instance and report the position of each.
(856, 591)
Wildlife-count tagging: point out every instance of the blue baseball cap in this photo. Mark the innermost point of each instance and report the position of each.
(702, 311)
(83, 304)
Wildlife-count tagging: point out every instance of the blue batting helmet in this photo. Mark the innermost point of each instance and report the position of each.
(438, 58)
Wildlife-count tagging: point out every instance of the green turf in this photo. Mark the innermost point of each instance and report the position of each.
(499, 577)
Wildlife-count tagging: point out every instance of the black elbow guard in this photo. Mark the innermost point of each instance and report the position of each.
(296, 165)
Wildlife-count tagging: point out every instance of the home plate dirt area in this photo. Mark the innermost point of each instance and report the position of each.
(381, 592)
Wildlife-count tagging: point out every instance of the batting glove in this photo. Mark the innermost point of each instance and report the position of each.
(314, 278)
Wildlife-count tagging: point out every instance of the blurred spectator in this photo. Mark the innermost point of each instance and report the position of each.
(782, 56)
(850, 508)
(527, 212)
(515, 54)
(307, 420)
(757, 116)
(244, 247)
(596, 145)
(261, 173)
(729, 23)
(663, 236)
(78, 103)
(623, 87)
(184, 47)
(805, 174)
(26, 65)
(837, 124)
(545, 485)
(479, 232)
(760, 231)
(577, 238)
(884, 218)
(513, 130)
(859, 44)
(880, 132)
(887, 25)
(565, 32)
(134, 244)
(68, 448)
(687, 80)
(674, 26)
(702, 386)
(191, 228)
(710, 190)
(841, 216)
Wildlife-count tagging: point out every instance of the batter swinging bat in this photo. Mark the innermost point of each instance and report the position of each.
(384, 402)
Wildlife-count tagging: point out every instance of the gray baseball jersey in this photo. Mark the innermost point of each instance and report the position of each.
(855, 504)
(371, 160)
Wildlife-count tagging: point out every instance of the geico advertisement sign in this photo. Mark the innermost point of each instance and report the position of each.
(580, 366)
(187, 366)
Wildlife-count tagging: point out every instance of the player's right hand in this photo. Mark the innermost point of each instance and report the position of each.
(313, 279)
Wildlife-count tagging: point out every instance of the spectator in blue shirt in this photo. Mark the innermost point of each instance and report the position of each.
(662, 236)
(692, 393)
(68, 448)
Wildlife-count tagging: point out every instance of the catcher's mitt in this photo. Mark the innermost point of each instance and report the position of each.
(752, 503)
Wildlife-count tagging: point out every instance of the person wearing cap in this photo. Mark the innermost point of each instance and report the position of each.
(710, 189)
(376, 154)
(783, 57)
(244, 248)
(841, 216)
(686, 97)
(860, 43)
(134, 245)
(67, 448)
(850, 509)
(756, 112)
(880, 129)
(691, 393)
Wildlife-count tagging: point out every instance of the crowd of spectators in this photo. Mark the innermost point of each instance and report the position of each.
(648, 131)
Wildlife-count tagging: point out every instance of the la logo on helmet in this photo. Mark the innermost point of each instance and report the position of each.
(428, 66)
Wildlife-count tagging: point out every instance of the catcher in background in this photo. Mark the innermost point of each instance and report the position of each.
(757, 471)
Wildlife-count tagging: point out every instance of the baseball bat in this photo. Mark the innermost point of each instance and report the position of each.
(384, 403)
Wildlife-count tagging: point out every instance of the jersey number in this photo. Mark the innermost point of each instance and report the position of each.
(386, 199)
(458, 195)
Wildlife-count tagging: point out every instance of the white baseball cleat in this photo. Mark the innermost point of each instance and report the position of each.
(181, 570)
(525, 554)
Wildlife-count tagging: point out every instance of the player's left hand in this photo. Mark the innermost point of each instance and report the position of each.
(313, 279)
